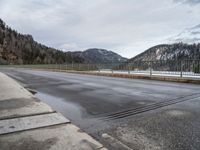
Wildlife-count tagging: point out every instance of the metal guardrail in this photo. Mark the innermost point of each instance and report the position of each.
(184, 68)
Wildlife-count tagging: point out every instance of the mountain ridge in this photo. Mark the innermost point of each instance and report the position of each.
(164, 52)
(16, 48)
(97, 55)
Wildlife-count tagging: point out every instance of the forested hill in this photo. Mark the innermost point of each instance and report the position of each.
(16, 48)
(177, 51)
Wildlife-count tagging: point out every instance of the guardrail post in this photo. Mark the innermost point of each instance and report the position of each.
(78, 67)
(99, 67)
(151, 65)
(56, 68)
(181, 74)
(72, 66)
(129, 69)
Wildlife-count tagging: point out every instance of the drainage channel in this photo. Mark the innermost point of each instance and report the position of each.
(135, 111)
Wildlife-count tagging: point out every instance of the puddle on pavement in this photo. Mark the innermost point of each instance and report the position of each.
(70, 110)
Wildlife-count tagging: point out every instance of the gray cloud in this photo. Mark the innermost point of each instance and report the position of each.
(191, 2)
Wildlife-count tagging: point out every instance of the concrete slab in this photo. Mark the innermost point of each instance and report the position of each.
(15, 101)
(31, 122)
(22, 107)
(62, 137)
(7, 85)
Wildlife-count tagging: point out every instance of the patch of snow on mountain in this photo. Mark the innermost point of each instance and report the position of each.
(190, 36)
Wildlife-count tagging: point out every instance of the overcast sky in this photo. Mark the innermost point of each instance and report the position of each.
(127, 27)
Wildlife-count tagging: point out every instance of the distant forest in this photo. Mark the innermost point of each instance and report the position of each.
(16, 48)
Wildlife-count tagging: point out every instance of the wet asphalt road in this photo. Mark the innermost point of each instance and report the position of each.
(134, 114)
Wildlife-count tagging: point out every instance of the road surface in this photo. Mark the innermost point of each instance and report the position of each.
(122, 113)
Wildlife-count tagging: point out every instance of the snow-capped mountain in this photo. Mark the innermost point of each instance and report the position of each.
(178, 51)
(190, 36)
(185, 45)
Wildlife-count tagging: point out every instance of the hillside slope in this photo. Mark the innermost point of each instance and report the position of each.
(16, 48)
(178, 51)
(95, 55)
